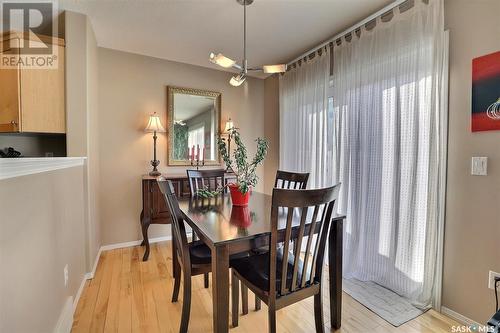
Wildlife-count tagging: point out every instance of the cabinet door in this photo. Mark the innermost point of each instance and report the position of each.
(158, 204)
(9, 95)
(43, 98)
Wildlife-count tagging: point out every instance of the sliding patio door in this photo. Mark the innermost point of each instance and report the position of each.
(387, 103)
(382, 137)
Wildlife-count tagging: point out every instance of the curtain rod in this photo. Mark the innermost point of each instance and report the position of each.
(350, 30)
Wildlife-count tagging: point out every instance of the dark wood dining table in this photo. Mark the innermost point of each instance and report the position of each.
(228, 229)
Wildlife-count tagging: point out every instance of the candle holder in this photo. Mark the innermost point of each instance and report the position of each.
(197, 163)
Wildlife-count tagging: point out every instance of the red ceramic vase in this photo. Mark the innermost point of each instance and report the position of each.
(238, 198)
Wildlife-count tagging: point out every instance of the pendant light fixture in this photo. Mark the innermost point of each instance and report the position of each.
(223, 61)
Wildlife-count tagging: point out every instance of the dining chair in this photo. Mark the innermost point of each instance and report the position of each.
(211, 179)
(194, 257)
(281, 277)
(291, 180)
(285, 180)
(199, 179)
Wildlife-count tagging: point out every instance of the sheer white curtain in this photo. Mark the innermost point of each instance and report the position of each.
(387, 90)
(304, 132)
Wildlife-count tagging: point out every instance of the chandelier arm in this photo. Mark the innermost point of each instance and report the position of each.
(238, 67)
(245, 36)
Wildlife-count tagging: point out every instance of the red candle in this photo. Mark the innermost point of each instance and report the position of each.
(192, 153)
(198, 152)
(203, 153)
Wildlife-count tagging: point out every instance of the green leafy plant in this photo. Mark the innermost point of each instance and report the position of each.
(245, 171)
(207, 193)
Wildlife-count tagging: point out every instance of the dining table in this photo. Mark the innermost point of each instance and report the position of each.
(228, 229)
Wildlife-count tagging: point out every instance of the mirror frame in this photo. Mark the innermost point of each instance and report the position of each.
(171, 90)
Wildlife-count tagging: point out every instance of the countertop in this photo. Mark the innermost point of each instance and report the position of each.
(17, 167)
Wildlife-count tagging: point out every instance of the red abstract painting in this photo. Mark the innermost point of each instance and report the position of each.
(486, 93)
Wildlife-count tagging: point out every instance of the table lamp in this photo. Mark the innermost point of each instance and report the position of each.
(229, 125)
(154, 125)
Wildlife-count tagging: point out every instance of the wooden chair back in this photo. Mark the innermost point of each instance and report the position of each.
(199, 179)
(291, 180)
(178, 228)
(309, 210)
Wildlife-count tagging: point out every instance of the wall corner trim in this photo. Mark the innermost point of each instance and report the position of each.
(17, 167)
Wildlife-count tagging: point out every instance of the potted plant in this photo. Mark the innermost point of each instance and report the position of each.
(244, 170)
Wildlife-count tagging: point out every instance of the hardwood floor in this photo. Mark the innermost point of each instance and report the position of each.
(128, 295)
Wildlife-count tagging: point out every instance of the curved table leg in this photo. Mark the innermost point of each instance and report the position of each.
(145, 241)
(141, 219)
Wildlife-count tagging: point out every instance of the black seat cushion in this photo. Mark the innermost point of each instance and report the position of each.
(201, 254)
(255, 269)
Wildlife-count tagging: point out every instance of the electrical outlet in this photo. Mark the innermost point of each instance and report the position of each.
(491, 279)
(66, 275)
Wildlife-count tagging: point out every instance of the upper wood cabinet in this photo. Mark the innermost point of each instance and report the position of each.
(32, 100)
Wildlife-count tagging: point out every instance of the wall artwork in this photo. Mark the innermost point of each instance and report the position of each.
(486, 93)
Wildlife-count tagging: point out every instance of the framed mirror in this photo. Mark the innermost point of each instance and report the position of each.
(193, 117)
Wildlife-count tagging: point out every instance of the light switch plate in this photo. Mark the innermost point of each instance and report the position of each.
(479, 166)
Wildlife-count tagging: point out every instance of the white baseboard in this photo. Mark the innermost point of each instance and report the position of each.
(133, 243)
(458, 317)
(65, 321)
(79, 292)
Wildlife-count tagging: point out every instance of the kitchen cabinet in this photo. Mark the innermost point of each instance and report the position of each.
(32, 97)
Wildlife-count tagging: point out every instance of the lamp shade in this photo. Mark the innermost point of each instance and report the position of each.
(229, 125)
(221, 60)
(271, 69)
(154, 124)
(237, 80)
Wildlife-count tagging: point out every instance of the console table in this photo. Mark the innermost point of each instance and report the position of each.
(154, 208)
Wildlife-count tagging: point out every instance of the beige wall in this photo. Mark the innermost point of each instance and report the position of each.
(41, 230)
(82, 118)
(271, 130)
(130, 88)
(473, 203)
(76, 84)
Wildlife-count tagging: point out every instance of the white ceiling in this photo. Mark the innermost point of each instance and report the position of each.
(188, 30)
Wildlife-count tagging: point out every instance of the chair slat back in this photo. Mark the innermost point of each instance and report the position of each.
(199, 179)
(306, 211)
(178, 228)
(291, 180)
